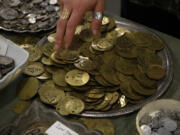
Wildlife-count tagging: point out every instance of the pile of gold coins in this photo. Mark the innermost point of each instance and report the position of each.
(97, 73)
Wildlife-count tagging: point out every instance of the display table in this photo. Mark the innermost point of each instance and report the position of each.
(124, 125)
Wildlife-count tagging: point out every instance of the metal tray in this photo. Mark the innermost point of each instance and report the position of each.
(162, 84)
(40, 112)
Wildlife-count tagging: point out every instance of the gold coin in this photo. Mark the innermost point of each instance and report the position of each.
(26, 46)
(79, 28)
(34, 69)
(51, 38)
(103, 44)
(66, 54)
(44, 76)
(28, 88)
(47, 61)
(54, 58)
(77, 77)
(115, 98)
(156, 72)
(59, 78)
(140, 89)
(84, 63)
(51, 95)
(122, 101)
(34, 54)
(51, 69)
(121, 31)
(48, 49)
(105, 20)
(21, 106)
(70, 105)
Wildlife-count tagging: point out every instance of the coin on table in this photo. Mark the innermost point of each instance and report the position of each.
(21, 106)
(102, 44)
(34, 69)
(34, 54)
(51, 95)
(77, 77)
(51, 37)
(59, 78)
(70, 105)
(84, 63)
(156, 72)
(28, 88)
(105, 20)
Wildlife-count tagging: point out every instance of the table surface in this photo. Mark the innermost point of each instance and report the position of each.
(124, 125)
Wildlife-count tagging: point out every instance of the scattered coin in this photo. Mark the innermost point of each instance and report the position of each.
(34, 69)
(28, 88)
(77, 77)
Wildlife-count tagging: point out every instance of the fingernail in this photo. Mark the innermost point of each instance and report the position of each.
(95, 32)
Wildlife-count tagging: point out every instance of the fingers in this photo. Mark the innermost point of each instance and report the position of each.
(61, 28)
(74, 20)
(96, 24)
(61, 3)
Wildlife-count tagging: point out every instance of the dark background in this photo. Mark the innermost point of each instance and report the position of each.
(152, 17)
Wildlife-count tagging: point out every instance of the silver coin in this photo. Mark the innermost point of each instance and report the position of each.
(53, 2)
(163, 131)
(169, 124)
(146, 129)
(12, 3)
(8, 13)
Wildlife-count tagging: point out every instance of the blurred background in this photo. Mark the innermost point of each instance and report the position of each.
(162, 15)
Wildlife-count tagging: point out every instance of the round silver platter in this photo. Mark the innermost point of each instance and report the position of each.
(162, 84)
(28, 15)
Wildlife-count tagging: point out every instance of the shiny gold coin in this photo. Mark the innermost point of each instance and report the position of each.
(59, 78)
(44, 76)
(111, 24)
(156, 72)
(84, 63)
(122, 101)
(79, 28)
(103, 44)
(54, 58)
(28, 88)
(51, 38)
(51, 95)
(105, 20)
(34, 69)
(47, 61)
(121, 31)
(34, 54)
(21, 106)
(77, 77)
(26, 46)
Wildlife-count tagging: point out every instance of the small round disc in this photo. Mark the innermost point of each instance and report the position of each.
(77, 77)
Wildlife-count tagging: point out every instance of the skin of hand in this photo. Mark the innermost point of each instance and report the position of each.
(77, 8)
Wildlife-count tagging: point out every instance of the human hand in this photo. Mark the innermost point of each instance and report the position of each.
(77, 9)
